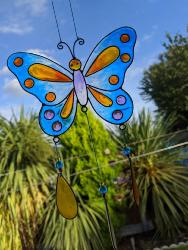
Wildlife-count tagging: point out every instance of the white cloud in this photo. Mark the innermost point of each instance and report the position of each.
(15, 28)
(4, 71)
(40, 52)
(6, 112)
(35, 7)
(12, 87)
(150, 35)
(135, 72)
(147, 37)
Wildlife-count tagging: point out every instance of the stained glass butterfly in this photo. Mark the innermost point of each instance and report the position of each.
(99, 82)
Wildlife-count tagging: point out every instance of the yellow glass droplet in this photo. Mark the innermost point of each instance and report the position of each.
(65, 198)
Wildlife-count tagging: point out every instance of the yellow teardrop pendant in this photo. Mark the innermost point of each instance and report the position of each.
(65, 199)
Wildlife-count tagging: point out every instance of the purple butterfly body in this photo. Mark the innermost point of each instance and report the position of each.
(80, 87)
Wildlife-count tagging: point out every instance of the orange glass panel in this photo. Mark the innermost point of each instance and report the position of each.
(29, 83)
(105, 58)
(50, 97)
(125, 57)
(18, 62)
(46, 73)
(124, 38)
(65, 198)
(102, 99)
(68, 106)
(113, 79)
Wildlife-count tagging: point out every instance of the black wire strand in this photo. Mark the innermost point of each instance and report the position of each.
(94, 149)
(110, 226)
(72, 13)
(57, 25)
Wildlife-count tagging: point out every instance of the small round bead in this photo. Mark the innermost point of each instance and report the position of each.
(126, 151)
(103, 189)
(59, 164)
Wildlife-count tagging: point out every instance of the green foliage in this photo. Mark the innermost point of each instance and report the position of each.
(24, 155)
(83, 232)
(162, 183)
(90, 225)
(27, 205)
(78, 143)
(166, 82)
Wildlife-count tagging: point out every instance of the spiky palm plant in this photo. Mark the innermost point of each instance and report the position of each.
(162, 183)
(83, 232)
(24, 174)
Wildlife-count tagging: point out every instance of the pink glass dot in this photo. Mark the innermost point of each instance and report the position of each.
(49, 114)
(57, 126)
(117, 115)
(121, 100)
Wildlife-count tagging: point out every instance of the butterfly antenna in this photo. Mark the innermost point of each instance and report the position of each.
(80, 41)
(61, 44)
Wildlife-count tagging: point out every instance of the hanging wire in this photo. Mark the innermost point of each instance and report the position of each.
(56, 149)
(150, 138)
(57, 25)
(160, 136)
(136, 142)
(135, 189)
(110, 226)
(73, 19)
(128, 152)
(102, 188)
(111, 164)
(93, 146)
(61, 44)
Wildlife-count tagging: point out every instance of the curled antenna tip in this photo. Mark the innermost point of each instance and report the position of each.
(80, 41)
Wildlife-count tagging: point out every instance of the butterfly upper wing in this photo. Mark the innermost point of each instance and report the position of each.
(41, 77)
(57, 119)
(115, 106)
(107, 64)
(52, 85)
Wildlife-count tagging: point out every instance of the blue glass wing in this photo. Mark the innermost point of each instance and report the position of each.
(57, 119)
(107, 64)
(115, 107)
(41, 77)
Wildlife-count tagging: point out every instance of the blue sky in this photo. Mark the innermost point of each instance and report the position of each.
(29, 25)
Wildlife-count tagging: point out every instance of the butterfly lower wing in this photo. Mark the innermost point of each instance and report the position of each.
(57, 119)
(41, 77)
(115, 107)
(107, 64)
(65, 199)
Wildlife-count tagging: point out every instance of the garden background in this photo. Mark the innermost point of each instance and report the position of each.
(158, 83)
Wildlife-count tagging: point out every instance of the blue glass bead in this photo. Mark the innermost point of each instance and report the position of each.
(126, 151)
(59, 164)
(103, 189)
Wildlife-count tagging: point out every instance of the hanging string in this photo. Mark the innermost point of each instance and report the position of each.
(93, 147)
(59, 162)
(127, 151)
(136, 193)
(110, 226)
(73, 19)
(78, 40)
(103, 189)
(61, 44)
(56, 141)
(183, 144)
(57, 25)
